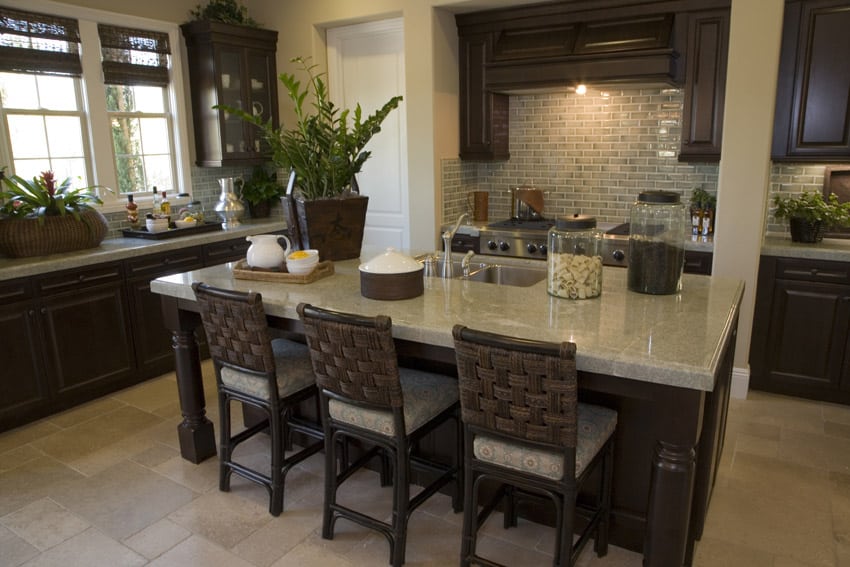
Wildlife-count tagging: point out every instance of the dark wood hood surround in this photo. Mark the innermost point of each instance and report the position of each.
(607, 52)
(553, 46)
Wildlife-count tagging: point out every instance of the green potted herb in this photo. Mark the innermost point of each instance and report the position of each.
(325, 151)
(260, 191)
(40, 216)
(809, 214)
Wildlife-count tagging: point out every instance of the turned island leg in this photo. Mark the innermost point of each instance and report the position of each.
(674, 469)
(195, 433)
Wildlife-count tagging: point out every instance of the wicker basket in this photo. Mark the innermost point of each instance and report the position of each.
(20, 238)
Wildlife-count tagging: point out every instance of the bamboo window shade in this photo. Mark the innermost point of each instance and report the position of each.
(133, 56)
(40, 44)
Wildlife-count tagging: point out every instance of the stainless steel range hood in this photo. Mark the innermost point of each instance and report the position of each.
(630, 51)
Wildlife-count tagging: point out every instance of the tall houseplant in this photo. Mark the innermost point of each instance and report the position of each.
(325, 151)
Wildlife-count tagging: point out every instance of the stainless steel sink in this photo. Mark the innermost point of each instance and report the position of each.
(508, 275)
(499, 274)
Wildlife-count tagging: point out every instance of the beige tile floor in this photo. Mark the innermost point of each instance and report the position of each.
(103, 484)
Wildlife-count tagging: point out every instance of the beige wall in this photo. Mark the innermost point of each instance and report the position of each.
(745, 159)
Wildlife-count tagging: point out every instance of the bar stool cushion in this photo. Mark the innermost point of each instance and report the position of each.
(595, 425)
(293, 370)
(425, 395)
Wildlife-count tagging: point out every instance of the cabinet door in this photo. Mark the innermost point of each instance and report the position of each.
(483, 114)
(23, 387)
(705, 86)
(813, 110)
(809, 325)
(86, 327)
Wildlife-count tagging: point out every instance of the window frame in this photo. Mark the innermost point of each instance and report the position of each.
(93, 97)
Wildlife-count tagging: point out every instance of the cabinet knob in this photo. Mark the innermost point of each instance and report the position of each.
(31, 312)
(81, 277)
(43, 310)
(814, 271)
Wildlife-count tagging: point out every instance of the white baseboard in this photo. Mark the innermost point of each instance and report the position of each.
(740, 383)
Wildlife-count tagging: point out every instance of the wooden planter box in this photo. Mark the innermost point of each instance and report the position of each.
(334, 227)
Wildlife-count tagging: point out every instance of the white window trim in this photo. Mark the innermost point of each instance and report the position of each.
(94, 96)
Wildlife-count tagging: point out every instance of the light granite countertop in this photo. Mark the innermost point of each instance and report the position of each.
(671, 339)
(113, 249)
(837, 249)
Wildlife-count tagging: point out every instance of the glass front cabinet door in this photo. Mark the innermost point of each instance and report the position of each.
(234, 66)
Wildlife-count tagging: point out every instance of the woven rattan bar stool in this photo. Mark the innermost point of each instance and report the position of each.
(525, 431)
(365, 395)
(273, 375)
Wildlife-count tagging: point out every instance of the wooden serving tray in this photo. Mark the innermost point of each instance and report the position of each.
(242, 271)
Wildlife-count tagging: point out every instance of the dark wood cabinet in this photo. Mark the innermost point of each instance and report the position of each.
(85, 332)
(151, 340)
(25, 390)
(483, 113)
(697, 262)
(227, 251)
(235, 66)
(65, 359)
(705, 85)
(801, 329)
(558, 45)
(812, 120)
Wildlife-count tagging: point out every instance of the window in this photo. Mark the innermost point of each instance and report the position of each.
(92, 96)
(135, 71)
(44, 121)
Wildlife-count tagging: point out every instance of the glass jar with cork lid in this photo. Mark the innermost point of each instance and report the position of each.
(574, 260)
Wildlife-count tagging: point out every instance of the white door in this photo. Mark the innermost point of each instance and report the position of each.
(366, 66)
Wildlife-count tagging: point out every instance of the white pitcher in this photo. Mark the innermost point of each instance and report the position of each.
(266, 252)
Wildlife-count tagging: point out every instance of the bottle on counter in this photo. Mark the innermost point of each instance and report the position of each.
(657, 225)
(165, 205)
(157, 202)
(132, 211)
(574, 260)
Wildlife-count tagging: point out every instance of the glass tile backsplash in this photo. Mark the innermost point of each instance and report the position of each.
(593, 154)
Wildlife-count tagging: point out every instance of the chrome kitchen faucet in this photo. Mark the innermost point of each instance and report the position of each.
(447, 247)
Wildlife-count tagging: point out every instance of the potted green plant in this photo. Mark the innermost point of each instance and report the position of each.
(40, 216)
(225, 11)
(809, 215)
(260, 191)
(325, 151)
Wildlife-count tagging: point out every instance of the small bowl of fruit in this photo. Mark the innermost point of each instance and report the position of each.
(302, 262)
(187, 221)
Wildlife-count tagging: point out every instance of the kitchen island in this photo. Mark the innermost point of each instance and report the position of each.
(663, 362)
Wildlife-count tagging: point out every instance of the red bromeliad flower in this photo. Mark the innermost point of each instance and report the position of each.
(49, 182)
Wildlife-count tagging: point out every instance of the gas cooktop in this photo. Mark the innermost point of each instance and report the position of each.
(527, 239)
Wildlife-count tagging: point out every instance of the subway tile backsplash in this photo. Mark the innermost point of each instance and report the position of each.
(593, 154)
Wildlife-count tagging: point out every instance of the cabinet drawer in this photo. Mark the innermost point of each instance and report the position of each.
(84, 277)
(170, 262)
(813, 270)
(228, 251)
(15, 290)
